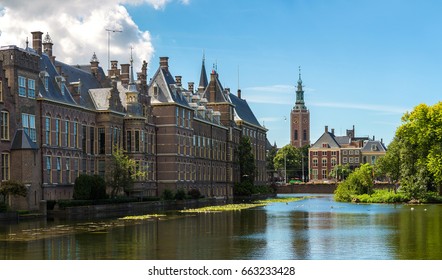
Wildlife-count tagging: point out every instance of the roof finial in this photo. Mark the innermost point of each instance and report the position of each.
(27, 43)
(300, 74)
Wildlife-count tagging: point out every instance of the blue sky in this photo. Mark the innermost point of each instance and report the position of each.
(364, 63)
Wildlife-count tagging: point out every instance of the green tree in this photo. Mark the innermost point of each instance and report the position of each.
(420, 146)
(289, 159)
(88, 187)
(340, 172)
(246, 160)
(123, 173)
(269, 158)
(360, 181)
(10, 188)
(388, 166)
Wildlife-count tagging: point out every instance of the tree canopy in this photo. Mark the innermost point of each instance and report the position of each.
(289, 158)
(246, 160)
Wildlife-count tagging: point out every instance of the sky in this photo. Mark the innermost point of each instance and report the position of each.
(363, 63)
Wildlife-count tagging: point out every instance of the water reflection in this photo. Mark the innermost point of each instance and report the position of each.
(315, 228)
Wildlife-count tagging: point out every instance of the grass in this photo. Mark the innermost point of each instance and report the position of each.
(142, 217)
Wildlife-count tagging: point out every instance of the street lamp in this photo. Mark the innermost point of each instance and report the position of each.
(108, 44)
(285, 168)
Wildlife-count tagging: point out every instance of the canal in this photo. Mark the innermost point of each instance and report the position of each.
(315, 228)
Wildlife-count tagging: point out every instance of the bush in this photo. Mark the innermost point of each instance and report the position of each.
(3, 207)
(89, 187)
(194, 193)
(50, 204)
(82, 187)
(98, 188)
(180, 194)
(167, 194)
(243, 189)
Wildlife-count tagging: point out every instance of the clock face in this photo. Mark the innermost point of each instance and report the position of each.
(305, 121)
(296, 121)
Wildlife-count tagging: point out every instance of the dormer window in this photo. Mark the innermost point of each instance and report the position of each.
(61, 83)
(155, 91)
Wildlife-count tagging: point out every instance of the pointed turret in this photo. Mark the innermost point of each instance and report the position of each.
(203, 77)
(133, 106)
(300, 105)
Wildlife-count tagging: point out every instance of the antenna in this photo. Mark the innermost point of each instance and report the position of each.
(108, 44)
(238, 76)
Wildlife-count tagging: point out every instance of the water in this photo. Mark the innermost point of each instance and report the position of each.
(311, 229)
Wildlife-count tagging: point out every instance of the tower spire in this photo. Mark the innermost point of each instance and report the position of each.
(203, 77)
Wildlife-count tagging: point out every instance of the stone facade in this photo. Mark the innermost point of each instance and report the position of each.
(60, 121)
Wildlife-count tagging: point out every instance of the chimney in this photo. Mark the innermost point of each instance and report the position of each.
(114, 69)
(333, 131)
(191, 86)
(239, 93)
(164, 62)
(178, 81)
(36, 41)
(94, 65)
(47, 45)
(326, 128)
(125, 74)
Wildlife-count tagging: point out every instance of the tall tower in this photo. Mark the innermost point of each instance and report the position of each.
(299, 119)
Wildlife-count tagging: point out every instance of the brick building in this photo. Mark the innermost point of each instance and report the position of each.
(300, 119)
(59, 121)
(331, 150)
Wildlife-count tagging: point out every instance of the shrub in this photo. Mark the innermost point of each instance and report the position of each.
(194, 193)
(89, 187)
(167, 194)
(82, 187)
(243, 189)
(3, 207)
(50, 204)
(98, 188)
(180, 194)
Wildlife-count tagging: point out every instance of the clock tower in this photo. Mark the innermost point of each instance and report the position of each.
(299, 119)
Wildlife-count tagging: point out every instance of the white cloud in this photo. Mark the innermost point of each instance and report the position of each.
(368, 107)
(78, 28)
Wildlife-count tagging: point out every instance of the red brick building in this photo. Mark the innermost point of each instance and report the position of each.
(59, 121)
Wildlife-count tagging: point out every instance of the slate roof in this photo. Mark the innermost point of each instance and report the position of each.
(173, 92)
(22, 141)
(328, 138)
(54, 92)
(379, 146)
(243, 110)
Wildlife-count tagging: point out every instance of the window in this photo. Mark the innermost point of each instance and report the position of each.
(31, 88)
(304, 135)
(350, 152)
(48, 169)
(6, 167)
(373, 160)
(324, 173)
(101, 141)
(357, 160)
(324, 153)
(333, 153)
(83, 138)
(57, 132)
(333, 162)
(129, 141)
(68, 170)
(67, 138)
(325, 145)
(46, 81)
(92, 140)
(21, 86)
(296, 134)
(324, 162)
(4, 129)
(155, 91)
(350, 160)
(28, 122)
(47, 139)
(315, 162)
(315, 153)
(177, 115)
(344, 160)
(356, 152)
(344, 152)
(59, 177)
(101, 168)
(75, 134)
(315, 174)
(1, 91)
(137, 140)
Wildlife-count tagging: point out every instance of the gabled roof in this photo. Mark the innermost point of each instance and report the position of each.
(374, 146)
(327, 138)
(243, 111)
(171, 93)
(219, 96)
(22, 141)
